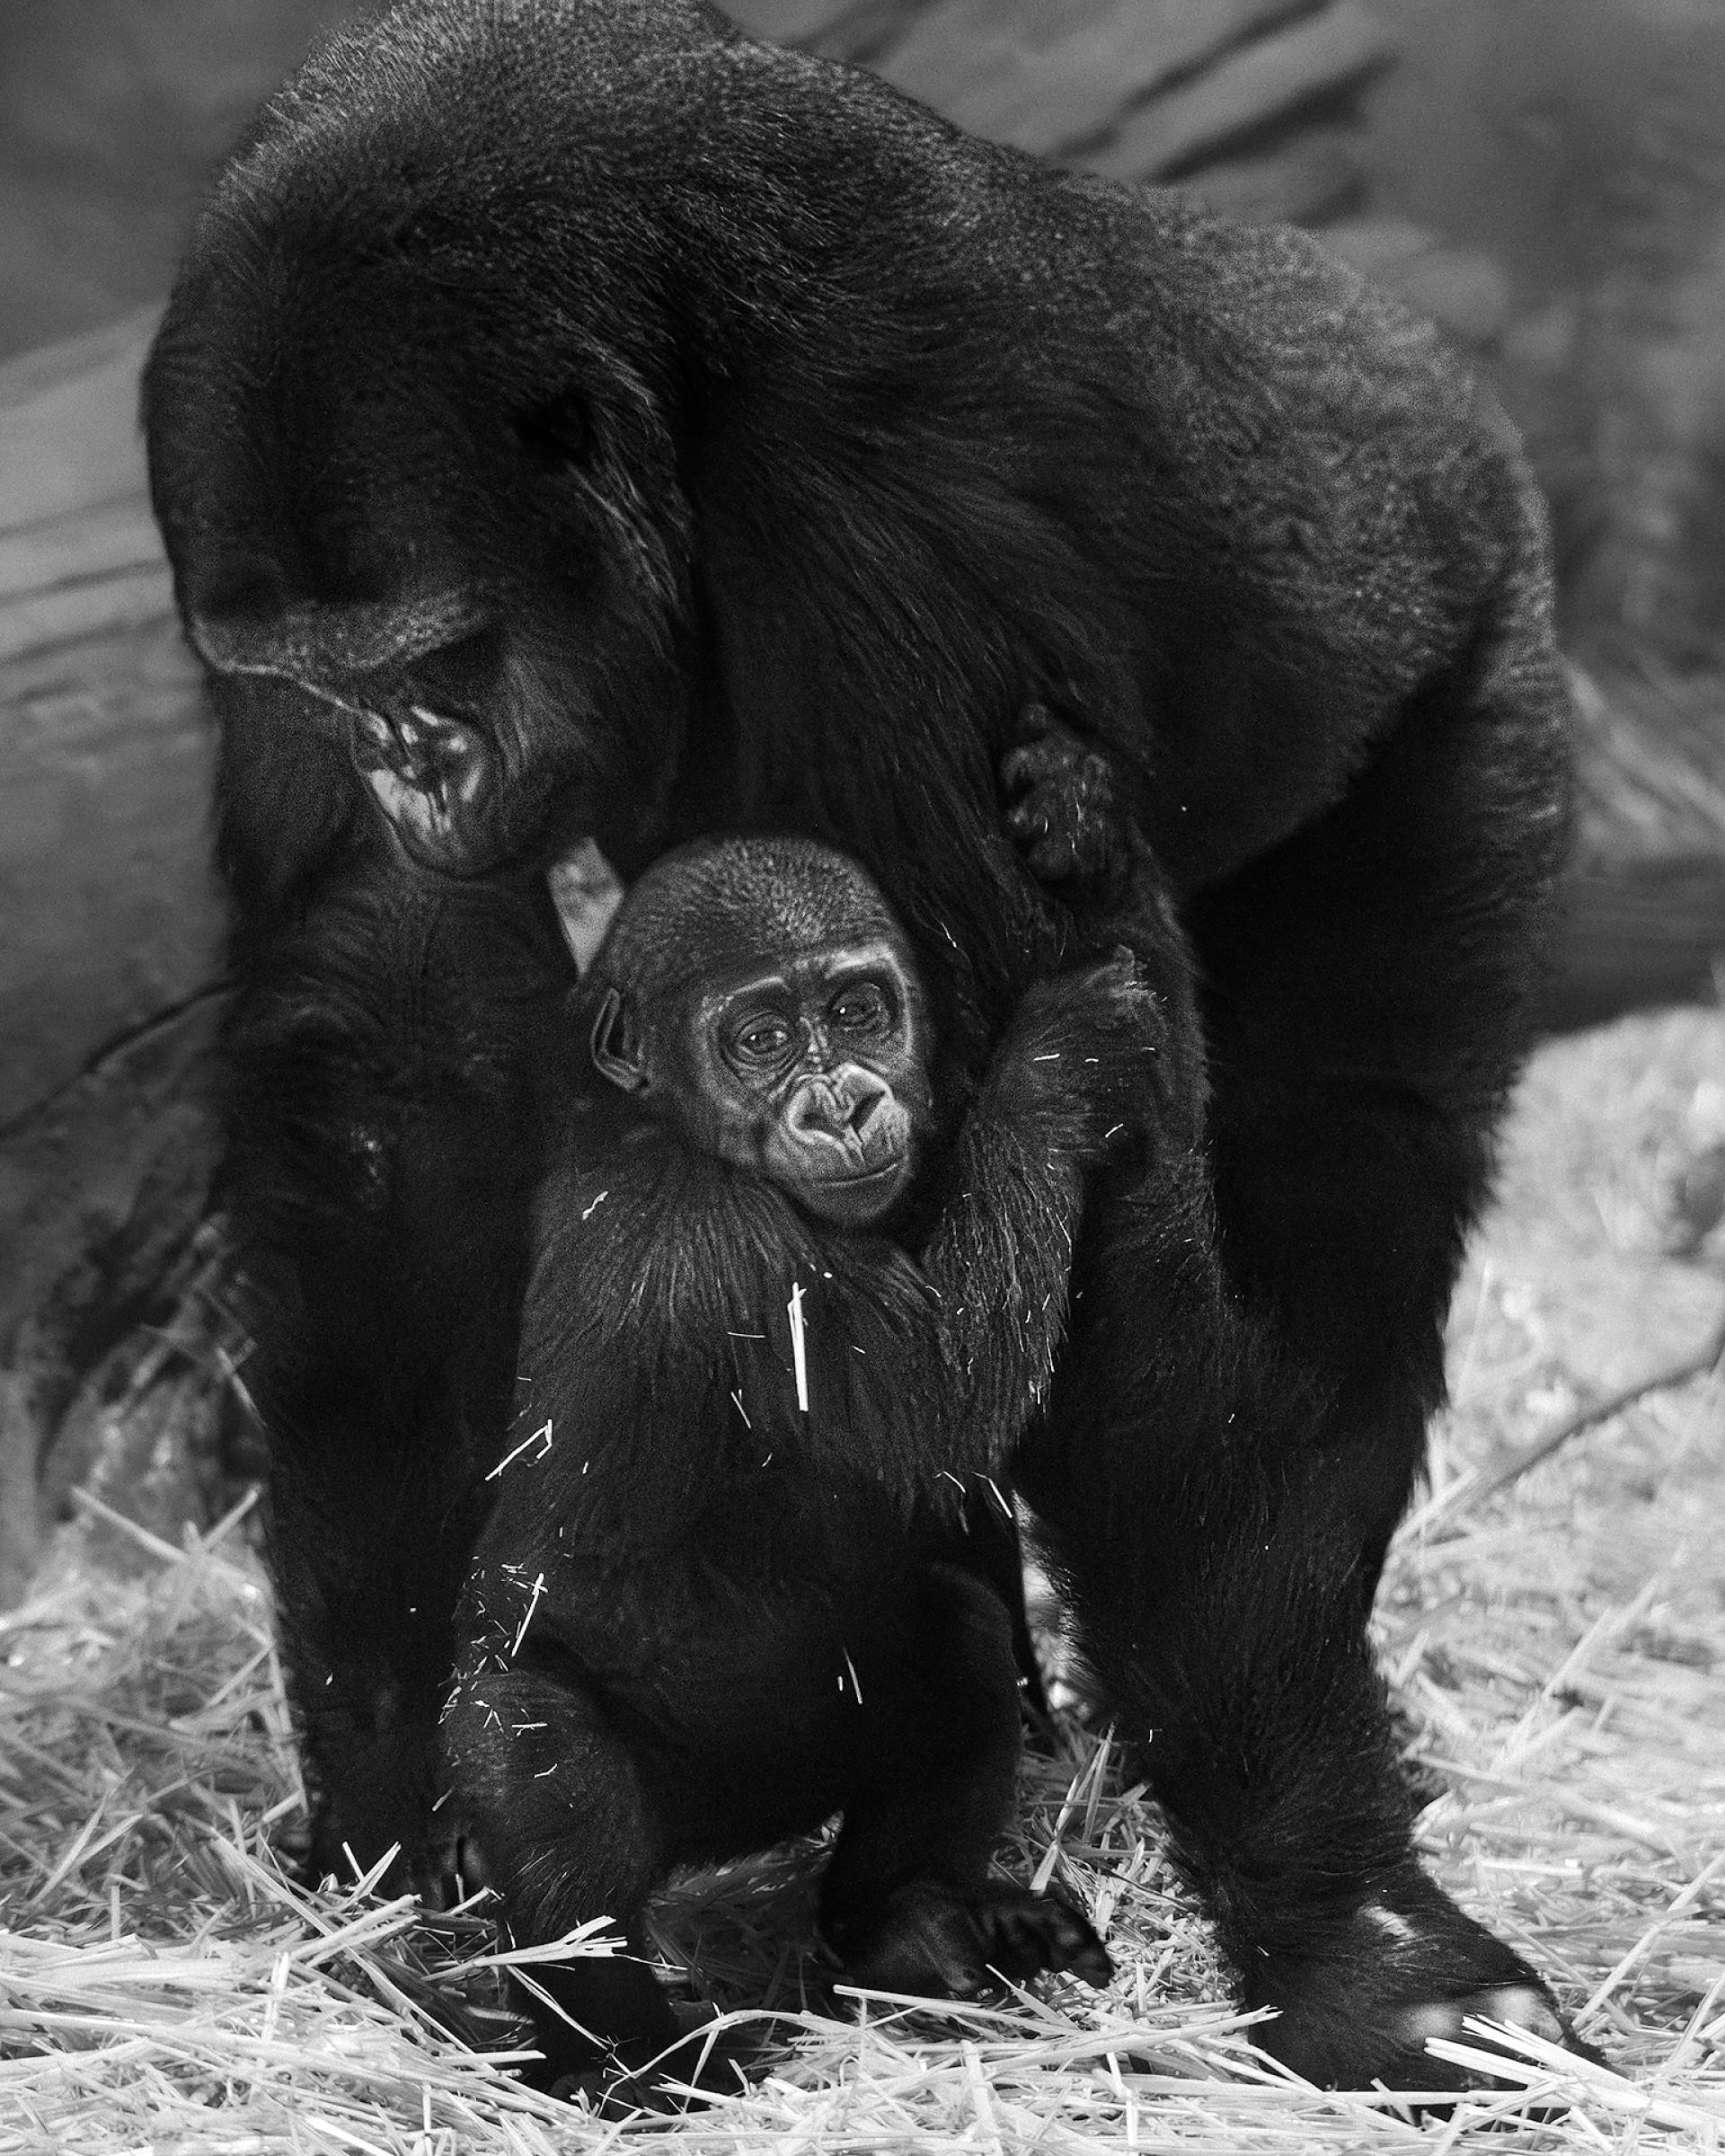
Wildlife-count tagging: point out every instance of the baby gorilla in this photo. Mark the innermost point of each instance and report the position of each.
(728, 1590)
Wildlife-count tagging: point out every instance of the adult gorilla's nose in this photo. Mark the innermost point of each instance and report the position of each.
(244, 616)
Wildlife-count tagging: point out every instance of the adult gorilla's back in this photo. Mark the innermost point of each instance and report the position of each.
(583, 420)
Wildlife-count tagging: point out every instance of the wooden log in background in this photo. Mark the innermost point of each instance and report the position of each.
(109, 958)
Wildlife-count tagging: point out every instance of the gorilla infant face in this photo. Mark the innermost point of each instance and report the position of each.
(778, 1024)
(809, 1070)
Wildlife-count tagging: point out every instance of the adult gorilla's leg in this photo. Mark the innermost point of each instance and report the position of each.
(1368, 991)
(1232, 1442)
(382, 1147)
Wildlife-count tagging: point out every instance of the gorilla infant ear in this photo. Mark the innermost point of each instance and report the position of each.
(618, 1051)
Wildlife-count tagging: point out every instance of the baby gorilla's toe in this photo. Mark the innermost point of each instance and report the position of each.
(712, 2058)
(1025, 1935)
(931, 1942)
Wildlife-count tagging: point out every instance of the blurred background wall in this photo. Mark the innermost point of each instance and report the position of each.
(1547, 176)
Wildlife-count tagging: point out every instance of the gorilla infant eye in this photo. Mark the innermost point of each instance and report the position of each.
(761, 1040)
(862, 1007)
(558, 434)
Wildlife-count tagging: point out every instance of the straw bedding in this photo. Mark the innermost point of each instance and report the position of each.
(1555, 1634)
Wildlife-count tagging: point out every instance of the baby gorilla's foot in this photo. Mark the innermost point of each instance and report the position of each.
(706, 2061)
(1062, 808)
(934, 1943)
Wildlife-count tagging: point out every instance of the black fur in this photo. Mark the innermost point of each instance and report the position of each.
(705, 436)
(393, 1062)
(712, 1607)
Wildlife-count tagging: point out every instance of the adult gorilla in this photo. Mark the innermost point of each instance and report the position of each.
(585, 421)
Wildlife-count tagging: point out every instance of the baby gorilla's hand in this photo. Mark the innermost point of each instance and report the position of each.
(1080, 1054)
(1062, 810)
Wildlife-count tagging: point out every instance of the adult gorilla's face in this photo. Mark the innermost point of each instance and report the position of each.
(411, 450)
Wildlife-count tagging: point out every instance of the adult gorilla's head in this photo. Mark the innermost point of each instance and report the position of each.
(415, 416)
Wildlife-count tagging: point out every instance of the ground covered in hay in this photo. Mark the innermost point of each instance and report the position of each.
(1554, 1629)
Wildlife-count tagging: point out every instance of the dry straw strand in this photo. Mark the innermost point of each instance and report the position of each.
(1554, 1639)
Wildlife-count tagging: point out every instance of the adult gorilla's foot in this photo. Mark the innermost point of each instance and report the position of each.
(1407, 1966)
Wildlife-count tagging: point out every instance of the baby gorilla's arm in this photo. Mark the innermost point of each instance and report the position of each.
(1066, 1089)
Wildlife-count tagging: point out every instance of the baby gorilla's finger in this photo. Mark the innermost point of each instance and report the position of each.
(1051, 860)
(1023, 767)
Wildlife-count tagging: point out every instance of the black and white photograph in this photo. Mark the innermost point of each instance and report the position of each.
(861, 1077)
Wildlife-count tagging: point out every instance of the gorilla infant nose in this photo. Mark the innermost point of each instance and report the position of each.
(840, 1111)
(868, 1098)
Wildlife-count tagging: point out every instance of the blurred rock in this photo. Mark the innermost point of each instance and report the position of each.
(1044, 73)
(1321, 175)
(1544, 342)
(112, 116)
(110, 911)
(1246, 91)
(1463, 290)
(1379, 245)
(789, 22)
(838, 29)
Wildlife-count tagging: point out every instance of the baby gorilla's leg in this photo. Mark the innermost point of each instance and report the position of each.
(906, 1902)
(551, 1800)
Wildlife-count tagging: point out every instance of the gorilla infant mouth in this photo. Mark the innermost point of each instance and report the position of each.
(862, 1180)
(854, 1196)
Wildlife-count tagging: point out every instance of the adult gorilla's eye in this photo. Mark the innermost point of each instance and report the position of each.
(861, 1008)
(558, 434)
